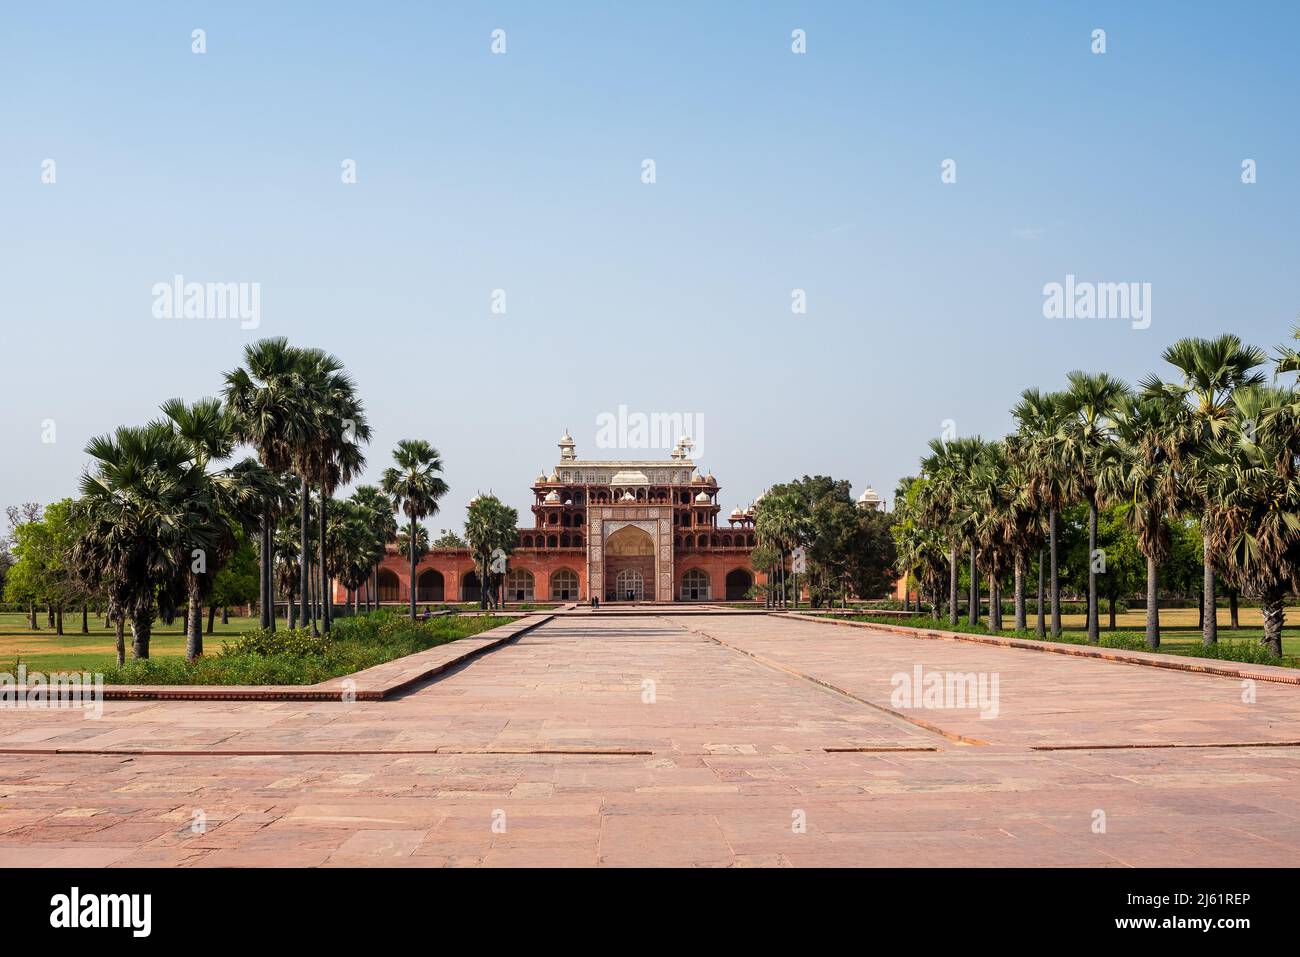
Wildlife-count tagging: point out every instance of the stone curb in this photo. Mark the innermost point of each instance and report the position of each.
(1203, 666)
(371, 684)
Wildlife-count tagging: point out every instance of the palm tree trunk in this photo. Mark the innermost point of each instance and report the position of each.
(85, 619)
(1041, 628)
(1153, 609)
(1210, 624)
(1056, 578)
(1233, 610)
(212, 617)
(264, 575)
(194, 622)
(304, 573)
(411, 551)
(1021, 624)
(1093, 633)
(995, 604)
(973, 612)
(1273, 607)
(119, 633)
(952, 586)
(141, 627)
(326, 599)
(1112, 612)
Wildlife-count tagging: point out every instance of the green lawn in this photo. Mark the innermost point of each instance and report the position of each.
(1178, 632)
(43, 650)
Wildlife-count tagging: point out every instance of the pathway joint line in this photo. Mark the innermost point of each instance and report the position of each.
(767, 662)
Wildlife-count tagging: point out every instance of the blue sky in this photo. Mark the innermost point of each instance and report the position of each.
(522, 172)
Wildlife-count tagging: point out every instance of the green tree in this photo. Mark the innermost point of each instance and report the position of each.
(492, 531)
(1211, 371)
(1085, 441)
(415, 486)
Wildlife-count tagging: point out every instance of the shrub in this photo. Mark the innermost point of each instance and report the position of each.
(297, 642)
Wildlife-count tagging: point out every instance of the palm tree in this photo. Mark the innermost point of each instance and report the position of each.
(1252, 517)
(780, 522)
(1086, 439)
(414, 486)
(383, 528)
(943, 506)
(990, 500)
(270, 412)
(1039, 417)
(223, 501)
(335, 455)
(491, 528)
(1212, 369)
(137, 520)
(1145, 479)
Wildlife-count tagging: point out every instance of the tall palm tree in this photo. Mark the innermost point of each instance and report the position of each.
(490, 526)
(224, 501)
(270, 412)
(415, 487)
(780, 522)
(335, 456)
(1252, 516)
(1212, 369)
(1086, 439)
(1144, 479)
(1039, 417)
(943, 505)
(383, 528)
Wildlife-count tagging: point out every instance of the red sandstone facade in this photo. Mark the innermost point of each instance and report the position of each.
(630, 530)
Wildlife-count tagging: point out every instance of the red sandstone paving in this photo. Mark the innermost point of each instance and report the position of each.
(737, 750)
(1045, 699)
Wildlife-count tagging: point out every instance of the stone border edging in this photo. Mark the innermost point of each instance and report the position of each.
(370, 684)
(1185, 663)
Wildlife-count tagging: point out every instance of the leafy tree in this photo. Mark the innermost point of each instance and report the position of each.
(491, 528)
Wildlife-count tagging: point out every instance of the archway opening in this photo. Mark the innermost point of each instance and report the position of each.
(739, 582)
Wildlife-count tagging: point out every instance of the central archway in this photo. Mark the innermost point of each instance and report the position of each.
(629, 563)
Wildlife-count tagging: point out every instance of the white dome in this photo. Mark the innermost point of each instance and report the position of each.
(628, 497)
(552, 496)
(737, 513)
(702, 498)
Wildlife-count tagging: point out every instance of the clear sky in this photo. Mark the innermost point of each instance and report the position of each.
(522, 171)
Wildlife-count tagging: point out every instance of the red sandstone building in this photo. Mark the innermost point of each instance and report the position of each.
(628, 530)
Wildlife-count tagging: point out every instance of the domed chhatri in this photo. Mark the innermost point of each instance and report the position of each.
(871, 499)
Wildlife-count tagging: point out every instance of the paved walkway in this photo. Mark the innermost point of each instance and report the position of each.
(688, 740)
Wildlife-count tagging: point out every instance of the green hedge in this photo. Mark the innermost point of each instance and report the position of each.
(297, 657)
